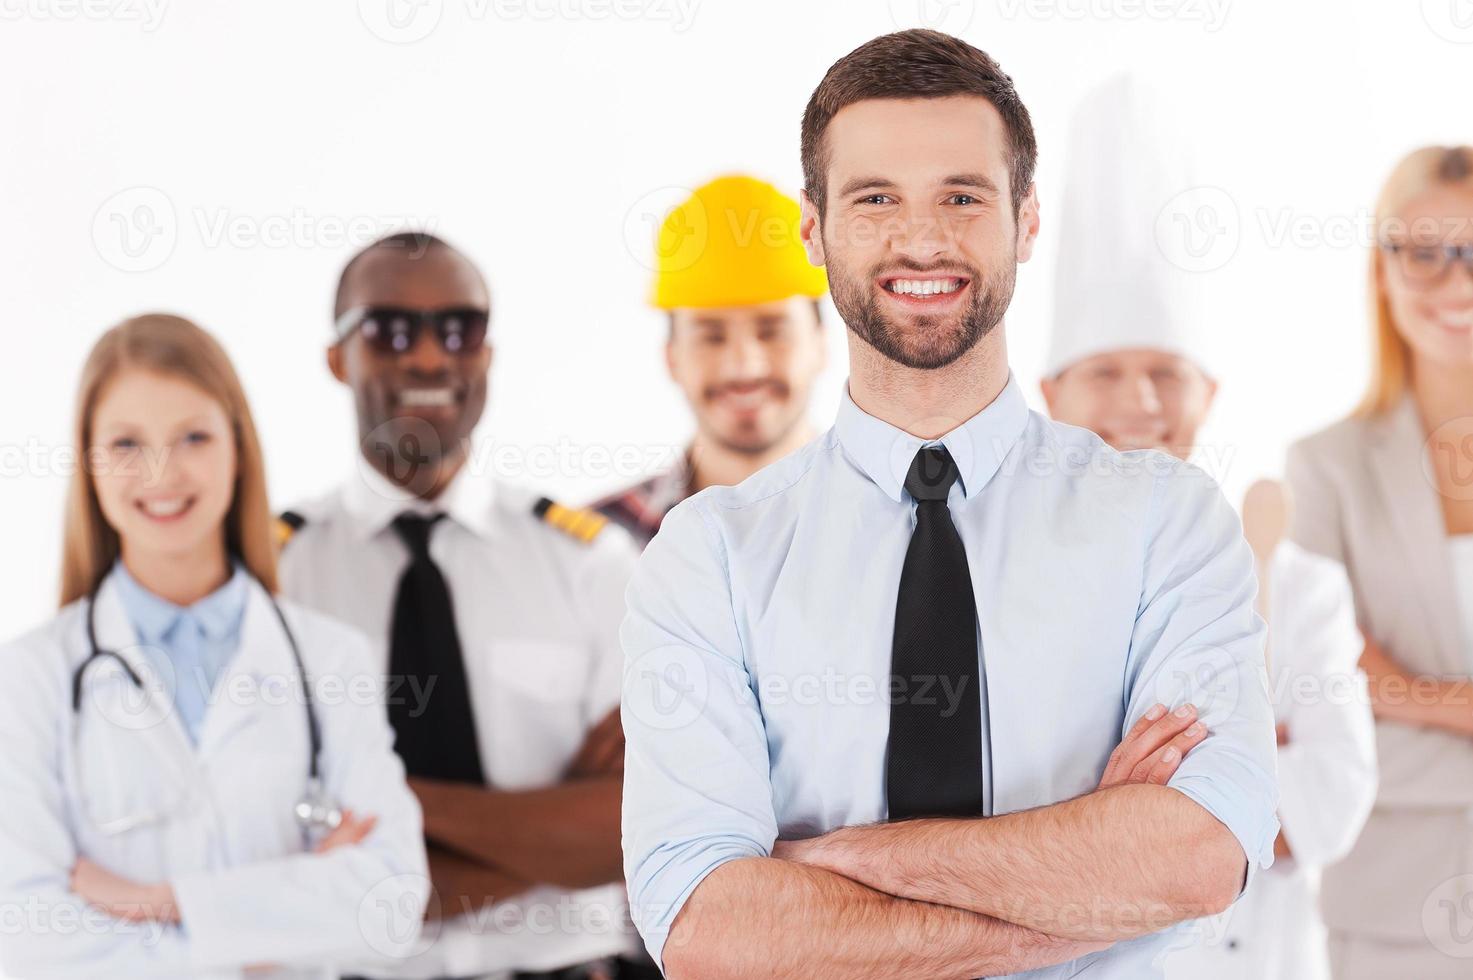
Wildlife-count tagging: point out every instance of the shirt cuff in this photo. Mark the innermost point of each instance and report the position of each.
(654, 919)
(1255, 836)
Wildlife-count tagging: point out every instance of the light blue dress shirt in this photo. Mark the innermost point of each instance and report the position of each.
(187, 646)
(758, 643)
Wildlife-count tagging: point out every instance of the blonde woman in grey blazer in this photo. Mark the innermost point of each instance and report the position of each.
(1389, 492)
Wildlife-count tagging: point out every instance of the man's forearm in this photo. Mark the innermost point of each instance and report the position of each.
(565, 835)
(764, 917)
(463, 885)
(1114, 864)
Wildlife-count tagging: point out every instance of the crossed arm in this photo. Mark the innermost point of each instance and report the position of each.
(487, 845)
(968, 898)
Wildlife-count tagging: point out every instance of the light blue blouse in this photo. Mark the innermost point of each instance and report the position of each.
(188, 646)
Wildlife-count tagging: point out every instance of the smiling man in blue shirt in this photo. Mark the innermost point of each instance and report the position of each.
(954, 690)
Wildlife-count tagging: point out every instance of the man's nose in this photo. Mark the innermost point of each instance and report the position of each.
(1144, 397)
(745, 359)
(426, 355)
(921, 234)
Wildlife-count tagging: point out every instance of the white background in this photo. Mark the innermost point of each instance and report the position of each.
(260, 144)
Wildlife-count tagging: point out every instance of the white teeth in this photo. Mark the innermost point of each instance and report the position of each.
(924, 287)
(165, 508)
(427, 397)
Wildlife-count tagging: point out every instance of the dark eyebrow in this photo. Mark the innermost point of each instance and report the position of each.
(858, 184)
(980, 181)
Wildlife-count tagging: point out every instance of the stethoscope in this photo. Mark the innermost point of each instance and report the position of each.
(316, 811)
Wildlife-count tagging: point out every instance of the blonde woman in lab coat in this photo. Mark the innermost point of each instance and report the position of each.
(1131, 359)
(158, 819)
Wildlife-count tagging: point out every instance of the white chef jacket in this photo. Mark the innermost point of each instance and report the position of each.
(537, 612)
(1327, 780)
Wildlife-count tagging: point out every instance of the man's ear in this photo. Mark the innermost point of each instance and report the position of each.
(1049, 387)
(337, 362)
(1211, 393)
(1027, 224)
(809, 230)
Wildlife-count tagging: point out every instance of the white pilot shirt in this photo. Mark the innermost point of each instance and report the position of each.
(537, 611)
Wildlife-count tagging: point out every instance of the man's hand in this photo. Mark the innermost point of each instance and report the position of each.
(120, 897)
(1153, 749)
(602, 752)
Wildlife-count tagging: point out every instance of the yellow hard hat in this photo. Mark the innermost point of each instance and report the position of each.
(733, 242)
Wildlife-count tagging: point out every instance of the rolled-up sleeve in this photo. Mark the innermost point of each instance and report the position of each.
(1198, 639)
(697, 791)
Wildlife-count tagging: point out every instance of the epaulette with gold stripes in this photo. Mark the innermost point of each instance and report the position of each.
(288, 522)
(578, 522)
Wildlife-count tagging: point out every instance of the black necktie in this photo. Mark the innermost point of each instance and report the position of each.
(430, 706)
(934, 764)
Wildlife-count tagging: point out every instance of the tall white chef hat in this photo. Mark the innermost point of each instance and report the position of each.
(1118, 285)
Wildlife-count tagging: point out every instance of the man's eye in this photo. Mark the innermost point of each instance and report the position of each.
(875, 199)
(963, 199)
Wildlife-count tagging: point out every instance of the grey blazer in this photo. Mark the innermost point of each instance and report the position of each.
(1363, 494)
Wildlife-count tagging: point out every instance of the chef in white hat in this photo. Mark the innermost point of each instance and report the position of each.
(1131, 358)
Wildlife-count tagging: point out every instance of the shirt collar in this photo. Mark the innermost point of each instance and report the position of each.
(217, 614)
(884, 452)
(373, 501)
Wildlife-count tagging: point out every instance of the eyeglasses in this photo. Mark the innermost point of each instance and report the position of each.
(394, 330)
(1427, 265)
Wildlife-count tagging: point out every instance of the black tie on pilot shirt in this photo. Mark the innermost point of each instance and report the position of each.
(429, 703)
(934, 764)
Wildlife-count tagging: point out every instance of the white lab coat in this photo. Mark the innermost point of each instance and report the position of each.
(1327, 781)
(249, 889)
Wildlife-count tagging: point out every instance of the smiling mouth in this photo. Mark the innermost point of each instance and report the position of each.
(165, 509)
(427, 398)
(1457, 322)
(924, 290)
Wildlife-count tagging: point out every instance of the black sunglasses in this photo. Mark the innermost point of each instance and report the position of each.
(394, 330)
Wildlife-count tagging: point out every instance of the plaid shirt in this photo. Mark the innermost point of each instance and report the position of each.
(640, 509)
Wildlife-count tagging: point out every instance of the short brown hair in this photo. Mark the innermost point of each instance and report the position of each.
(916, 64)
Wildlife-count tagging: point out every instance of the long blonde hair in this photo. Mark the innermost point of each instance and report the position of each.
(1416, 173)
(172, 346)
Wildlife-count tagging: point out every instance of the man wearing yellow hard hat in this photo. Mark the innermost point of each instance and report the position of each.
(745, 344)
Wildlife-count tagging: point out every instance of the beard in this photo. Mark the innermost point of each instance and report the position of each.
(927, 341)
(753, 437)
